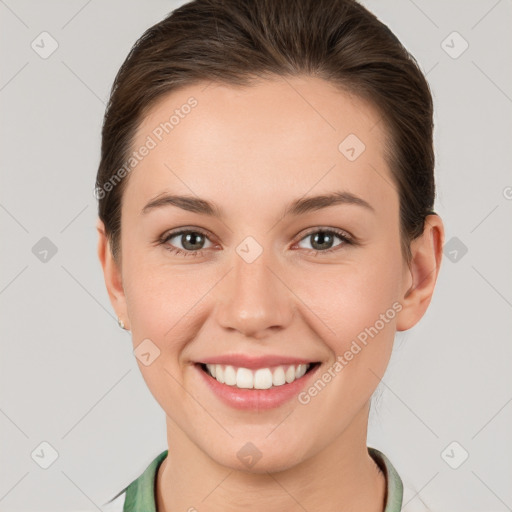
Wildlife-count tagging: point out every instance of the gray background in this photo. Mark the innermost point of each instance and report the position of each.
(68, 376)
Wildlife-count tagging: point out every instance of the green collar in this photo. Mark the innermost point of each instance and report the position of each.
(395, 487)
(140, 494)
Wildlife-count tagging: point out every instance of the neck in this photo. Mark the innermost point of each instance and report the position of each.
(340, 477)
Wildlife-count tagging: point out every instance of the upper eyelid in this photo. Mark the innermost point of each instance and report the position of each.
(172, 234)
(336, 231)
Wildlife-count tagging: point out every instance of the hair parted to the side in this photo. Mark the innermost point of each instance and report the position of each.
(239, 42)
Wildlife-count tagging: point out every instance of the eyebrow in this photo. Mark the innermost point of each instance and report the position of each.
(297, 207)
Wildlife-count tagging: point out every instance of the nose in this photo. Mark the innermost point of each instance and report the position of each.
(254, 299)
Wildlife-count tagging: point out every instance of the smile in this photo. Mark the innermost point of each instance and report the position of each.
(257, 388)
(261, 378)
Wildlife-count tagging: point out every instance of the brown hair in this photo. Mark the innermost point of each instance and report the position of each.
(235, 42)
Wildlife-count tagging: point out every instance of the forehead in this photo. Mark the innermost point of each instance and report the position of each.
(285, 136)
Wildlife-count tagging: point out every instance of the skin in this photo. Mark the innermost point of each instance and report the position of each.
(252, 151)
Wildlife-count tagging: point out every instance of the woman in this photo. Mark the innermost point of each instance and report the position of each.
(266, 225)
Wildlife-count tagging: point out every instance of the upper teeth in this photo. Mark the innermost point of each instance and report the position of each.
(262, 378)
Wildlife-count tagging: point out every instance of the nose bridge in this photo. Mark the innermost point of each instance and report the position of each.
(253, 299)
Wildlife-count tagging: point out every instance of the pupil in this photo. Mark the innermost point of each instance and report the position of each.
(192, 236)
(322, 237)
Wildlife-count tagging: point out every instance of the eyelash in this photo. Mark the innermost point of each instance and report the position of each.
(342, 235)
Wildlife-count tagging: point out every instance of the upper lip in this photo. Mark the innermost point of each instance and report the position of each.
(246, 361)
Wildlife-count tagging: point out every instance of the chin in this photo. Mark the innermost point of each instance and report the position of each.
(251, 457)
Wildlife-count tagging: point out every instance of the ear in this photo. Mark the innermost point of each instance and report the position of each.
(420, 275)
(112, 275)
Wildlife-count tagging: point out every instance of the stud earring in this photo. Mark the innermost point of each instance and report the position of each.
(121, 323)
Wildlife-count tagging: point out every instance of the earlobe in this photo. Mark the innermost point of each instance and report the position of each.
(112, 275)
(421, 275)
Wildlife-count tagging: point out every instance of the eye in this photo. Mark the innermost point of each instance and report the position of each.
(322, 240)
(192, 242)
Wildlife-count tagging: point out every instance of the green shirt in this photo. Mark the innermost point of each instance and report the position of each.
(140, 494)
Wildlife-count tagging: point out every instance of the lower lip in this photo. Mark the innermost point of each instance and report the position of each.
(256, 399)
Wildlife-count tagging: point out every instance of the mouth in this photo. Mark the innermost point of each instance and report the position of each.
(257, 378)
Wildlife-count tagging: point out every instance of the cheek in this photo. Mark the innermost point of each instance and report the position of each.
(352, 296)
(163, 305)
(157, 293)
(356, 306)
(160, 297)
(359, 304)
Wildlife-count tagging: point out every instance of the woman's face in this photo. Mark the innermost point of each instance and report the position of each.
(273, 273)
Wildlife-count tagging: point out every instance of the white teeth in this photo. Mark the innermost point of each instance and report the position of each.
(290, 374)
(229, 376)
(301, 371)
(244, 379)
(278, 378)
(262, 378)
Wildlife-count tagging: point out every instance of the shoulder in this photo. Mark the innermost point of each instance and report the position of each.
(140, 493)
